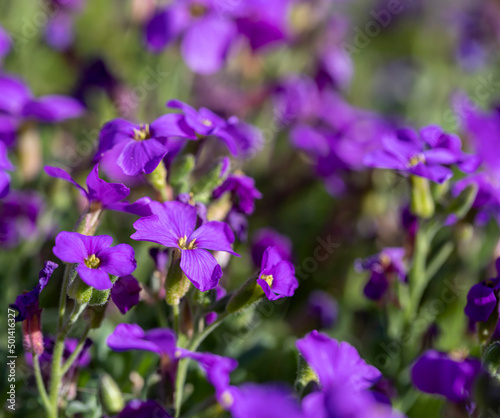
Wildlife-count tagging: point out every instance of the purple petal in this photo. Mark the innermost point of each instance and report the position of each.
(104, 192)
(441, 156)
(96, 278)
(118, 260)
(59, 173)
(481, 301)
(214, 235)
(205, 44)
(14, 95)
(270, 258)
(125, 293)
(53, 108)
(4, 184)
(383, 159)
(70, 247)
(59, 32)
(165, 25)
(113, 133)
(284, 283)
(310, 140)
(164, 339)
(141, 156)
(201, 269)
(8, 129)
(131, 337)
(171, 125)
(436, 173)
(140, 207)
(376, 286)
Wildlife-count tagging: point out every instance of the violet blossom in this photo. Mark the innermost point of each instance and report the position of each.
(269, 237)
(277, 276)
(243, 192)
(125, 293)
(95, 257)
(5, 166)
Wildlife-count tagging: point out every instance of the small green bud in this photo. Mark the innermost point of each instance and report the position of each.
(110, 395)
(304, 375)
(177, 284)
(158, 179)
(180, 172)
(204, 187)
(422, 203)
(79, 291)
(100, 297)
(246, 296)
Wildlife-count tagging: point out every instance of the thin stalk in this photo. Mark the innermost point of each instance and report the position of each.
(176, 312)
(417, 275)
(183, 363)
(40, 385)
(76, 351)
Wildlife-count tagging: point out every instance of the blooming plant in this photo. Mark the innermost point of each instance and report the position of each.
(250, 209)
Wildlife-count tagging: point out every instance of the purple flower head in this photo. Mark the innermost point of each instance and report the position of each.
(143, 146)
(382, 266)
(5, 43)
(322, 307)
(243, 191)
(125, 293)
(59, 32)
(277, 276)
(238, 223)
(482, 298)
(95, 257)
(268, 237)
(441, 374)
(173, 225)
(5, 165)
(206, 33)
(19, 212)
(263, 401)
(127, 337)
(296, 97)
(137, 408)
(336, 363)
(425, 155)
(27, 303)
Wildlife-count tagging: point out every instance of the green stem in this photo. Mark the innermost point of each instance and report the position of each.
(438, 260)
(183, 363)
(175, 310)
(40, 385)
(417, 275)
(76, 351)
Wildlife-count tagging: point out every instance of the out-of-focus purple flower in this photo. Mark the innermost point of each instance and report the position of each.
(173, 225)
(220, 292)
(441, 374)
(137, 408)
(382, 266)
(277, 276)
(238, 223)
(144, 145)
(296, 97)
(336, 363)
(5, 165)
(127, 337)
(206, 33)
(322, 307)
(243, 192)
(18, 104)
(125, 293)
(5, 42)
(95, 257)
(96, 75)
(27, 302)
(482, 298)
(59, 33)
(19, 212)
(409, 221)
(269, 237)
(425, 155)
(262, 401)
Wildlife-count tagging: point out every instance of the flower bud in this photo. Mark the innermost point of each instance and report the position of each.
(32, 333)
(246, 296)
(110, 395)
(79, 291)
(305, 375)
(100, 297)
(204, 187)
(422, 203)
(158, 179)
(177, 284)
(180, 172)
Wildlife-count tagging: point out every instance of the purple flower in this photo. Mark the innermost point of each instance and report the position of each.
(18, 104)
(5, 43)
(28, 302)
(19, 212)
(268, 237)
(243, 191)
(137, 408)
(263, 401)
(59, 32)
(336, 363)
(5, 165)
(95, 257)
(425, 156)
(125, 293)
(173, 225)
(382, 266)
(439, 373)
(277, 276)
(206, 33)
(322, 307)
(482, 299)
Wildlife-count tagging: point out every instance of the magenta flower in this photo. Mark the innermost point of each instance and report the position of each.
(95, 257)
(438, 373)
(243, 192)
(143, 146)
(267, 237)
(5, 165)
(277, 276)
(125, 293)
(18, 104)
(101, 194)
(173, 224)
(336, 363)
(483, 297)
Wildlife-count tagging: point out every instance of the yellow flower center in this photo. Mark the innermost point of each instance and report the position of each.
(206, 122)
(92, 262)
(460, 354)
(417, 159)
(227, 399)
(184, 245)
(197, 10)
(268, 278)
(385, 260)
(142, 133)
